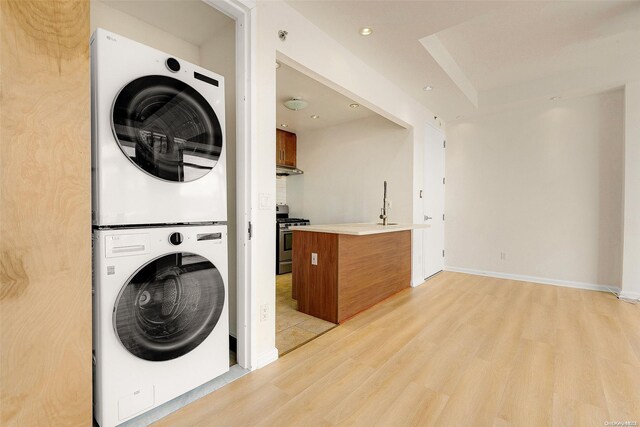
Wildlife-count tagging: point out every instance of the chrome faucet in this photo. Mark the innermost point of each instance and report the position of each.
(383, 211)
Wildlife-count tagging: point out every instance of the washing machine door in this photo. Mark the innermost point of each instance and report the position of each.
(167, 129)
(169, 306)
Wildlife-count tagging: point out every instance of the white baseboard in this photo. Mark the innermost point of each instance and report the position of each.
(633, 296)
(267, 357)
(533, 279)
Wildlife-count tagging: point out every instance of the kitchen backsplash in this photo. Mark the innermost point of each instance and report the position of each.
(281, 190)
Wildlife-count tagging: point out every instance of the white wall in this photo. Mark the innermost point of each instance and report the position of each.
(344, 169)
(631, 262)
(217, 55)
(104, 16)
(281, 190)
(542, 184)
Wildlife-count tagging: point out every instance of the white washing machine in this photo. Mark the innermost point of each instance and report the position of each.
(160, 316)
(158, 136)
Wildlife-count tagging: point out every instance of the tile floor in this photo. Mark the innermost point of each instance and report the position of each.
(292, 327)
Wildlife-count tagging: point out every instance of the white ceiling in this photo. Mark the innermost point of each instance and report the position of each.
(332, 107)
(191, 20)
(502, 52)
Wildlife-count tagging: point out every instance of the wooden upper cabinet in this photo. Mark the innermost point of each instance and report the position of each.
(280, 135)
(285, 148)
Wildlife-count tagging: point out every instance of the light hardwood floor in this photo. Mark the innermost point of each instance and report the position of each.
(460, 350)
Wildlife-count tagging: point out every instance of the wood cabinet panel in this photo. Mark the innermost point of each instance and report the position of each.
(316, 286)
(372, 268)
(45, 185)
(286, 148)
(280, 135)
(290, 149)
(353, 272)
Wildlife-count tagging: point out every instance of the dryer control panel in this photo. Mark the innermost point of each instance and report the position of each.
(120, 245)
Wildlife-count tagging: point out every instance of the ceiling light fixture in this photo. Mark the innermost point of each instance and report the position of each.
(284, 125)
(315, 116)
(366, 31)
(427, 88)
(296, 104)
(354, 105)
(554, 98)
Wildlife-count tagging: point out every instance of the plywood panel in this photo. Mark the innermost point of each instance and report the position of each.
(45, 246)
(371, 269)
(316, 285)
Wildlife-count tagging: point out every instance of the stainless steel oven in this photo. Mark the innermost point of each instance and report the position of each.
(284, 238)
(285, 249)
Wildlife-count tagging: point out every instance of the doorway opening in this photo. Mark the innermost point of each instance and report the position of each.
(214, 35)
(332, 156)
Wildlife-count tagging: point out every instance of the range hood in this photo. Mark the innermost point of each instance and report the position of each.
(287, 170)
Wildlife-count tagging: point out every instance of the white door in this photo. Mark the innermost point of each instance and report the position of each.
(433, 202)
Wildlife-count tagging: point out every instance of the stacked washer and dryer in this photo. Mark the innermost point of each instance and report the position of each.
(160, 322)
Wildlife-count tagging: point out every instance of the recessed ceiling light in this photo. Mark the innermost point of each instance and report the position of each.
(366, 31)
(354, 105)
(277, 65)
(427, 88)
(554, 98)
(315, 116)
(284, 125)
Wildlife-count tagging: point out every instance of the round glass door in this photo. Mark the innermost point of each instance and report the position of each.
(169, 306)
(167, 129)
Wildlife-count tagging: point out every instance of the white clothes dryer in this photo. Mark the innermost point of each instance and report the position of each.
(160, 316)
(158, 136)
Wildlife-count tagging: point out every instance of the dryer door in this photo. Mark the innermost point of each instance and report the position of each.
(167, 129)
(169, 306)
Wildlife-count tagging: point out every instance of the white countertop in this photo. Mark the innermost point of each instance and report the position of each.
(358, 229)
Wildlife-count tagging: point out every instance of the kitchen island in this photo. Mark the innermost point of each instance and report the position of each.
(342, 269)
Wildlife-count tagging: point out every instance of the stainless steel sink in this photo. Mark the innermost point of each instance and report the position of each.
(389, 223)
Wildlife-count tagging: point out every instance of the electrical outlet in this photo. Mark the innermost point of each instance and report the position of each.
(314, 258)
(264, 312)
